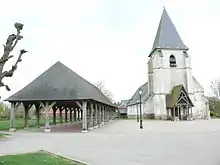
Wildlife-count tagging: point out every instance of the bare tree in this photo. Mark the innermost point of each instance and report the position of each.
(215, 86)
(9, 46)
(100, 85)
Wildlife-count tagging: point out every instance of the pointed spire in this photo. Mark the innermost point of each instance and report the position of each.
(167, 36)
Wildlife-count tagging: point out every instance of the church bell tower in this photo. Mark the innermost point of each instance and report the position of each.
(169, 65)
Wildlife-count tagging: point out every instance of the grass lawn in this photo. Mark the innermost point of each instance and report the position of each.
(19, 124)
(3, 135)
(38, 158)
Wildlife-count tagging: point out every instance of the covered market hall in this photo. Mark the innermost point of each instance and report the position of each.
(60, 91)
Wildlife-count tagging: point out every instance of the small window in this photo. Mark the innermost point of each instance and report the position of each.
(172, 61)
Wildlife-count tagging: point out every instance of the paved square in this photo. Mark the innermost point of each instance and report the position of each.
(122, 142)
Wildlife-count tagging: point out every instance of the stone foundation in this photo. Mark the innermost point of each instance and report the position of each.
(145, 116)
(161, 117)
(132, 116)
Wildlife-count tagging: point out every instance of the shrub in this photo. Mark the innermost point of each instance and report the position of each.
(212, 113)
(169, 117)
(150, 116)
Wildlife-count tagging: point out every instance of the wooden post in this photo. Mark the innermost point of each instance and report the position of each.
(78, 114)
(12, 118)
(84, 116)
(74, 113)
(47, 108)
(91, 116)
(26, 110)
(61, 115)
(71, 115)
(178, 112)
(81, 114)
(98, 114)
(54, 116)
(103, 115)
(37, 113)
(66, 118)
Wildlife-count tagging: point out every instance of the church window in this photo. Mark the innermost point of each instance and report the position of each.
(172, 61)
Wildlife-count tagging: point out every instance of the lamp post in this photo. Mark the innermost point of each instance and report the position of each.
(137, 111)
(141, 125)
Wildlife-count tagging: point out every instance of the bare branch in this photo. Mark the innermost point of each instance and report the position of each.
(215, 86)
(100, 85)
(10, 44)
(6, 86)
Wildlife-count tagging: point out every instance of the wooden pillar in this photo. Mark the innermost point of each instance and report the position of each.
(26, 110)
(37, 113)
(178, 112)
(191, 112)
(66, 113)
(61, 115)
(71, 115)
(100, 108)
(78, 114)
(37, 118)
(84, 116)
(12, 117)
(98, 113)
(74, 114)
(54, 116)
(174, 112)
(47, 107)
(81, 114)
(25, 118)
(188, 111)
(95, 114)
(91, 115)
(103, 115)
(108, 114)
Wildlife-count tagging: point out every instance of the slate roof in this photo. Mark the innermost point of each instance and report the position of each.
(171, 99)
(144, 89)
(197, 84)
(167, 36)
(59, 83)
(123, 104)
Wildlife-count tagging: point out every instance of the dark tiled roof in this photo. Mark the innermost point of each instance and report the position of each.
(167, 36)
(59, 83)
(135, 97)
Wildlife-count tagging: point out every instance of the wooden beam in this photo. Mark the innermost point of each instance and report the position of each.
(78, 103)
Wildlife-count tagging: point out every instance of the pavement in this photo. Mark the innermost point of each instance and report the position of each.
(123, 143)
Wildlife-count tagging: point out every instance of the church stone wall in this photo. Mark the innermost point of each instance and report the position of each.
(159, 104)
(176, 75)
(165, 77)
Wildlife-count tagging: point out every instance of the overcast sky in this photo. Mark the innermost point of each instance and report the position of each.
(108, 40)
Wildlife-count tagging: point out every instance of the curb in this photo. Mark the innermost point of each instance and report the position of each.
(6, 137)
(65, 157)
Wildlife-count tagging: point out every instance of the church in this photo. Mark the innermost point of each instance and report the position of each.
(172, 92)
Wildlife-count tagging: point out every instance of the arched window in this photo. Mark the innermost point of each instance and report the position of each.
(172, 61)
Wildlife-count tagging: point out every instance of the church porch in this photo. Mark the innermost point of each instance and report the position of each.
(179, 104)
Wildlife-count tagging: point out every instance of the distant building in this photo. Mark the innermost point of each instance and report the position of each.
(122, 107)
(171, 91)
